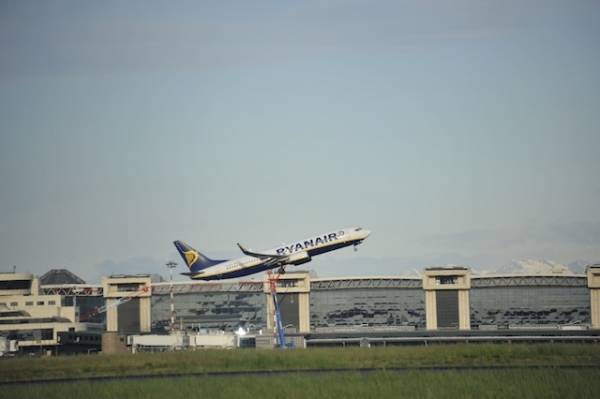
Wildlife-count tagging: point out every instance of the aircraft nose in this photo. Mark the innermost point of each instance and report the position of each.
(366, 233)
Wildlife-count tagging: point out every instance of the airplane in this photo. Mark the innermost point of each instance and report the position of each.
(300, 252)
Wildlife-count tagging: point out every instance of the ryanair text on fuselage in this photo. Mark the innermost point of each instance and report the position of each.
(299, 246)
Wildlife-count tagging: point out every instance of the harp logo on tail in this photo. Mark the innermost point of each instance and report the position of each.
(191, 257)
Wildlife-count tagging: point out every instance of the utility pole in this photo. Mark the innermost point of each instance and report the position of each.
(76, 291)
(171, 265)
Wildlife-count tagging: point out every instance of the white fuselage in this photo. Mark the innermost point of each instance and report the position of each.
(295, 253)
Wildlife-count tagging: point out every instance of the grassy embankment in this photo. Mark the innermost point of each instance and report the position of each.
(25, 369)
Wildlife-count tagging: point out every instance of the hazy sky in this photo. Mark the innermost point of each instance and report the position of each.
(459, 132)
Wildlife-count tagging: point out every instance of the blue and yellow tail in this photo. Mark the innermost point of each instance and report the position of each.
(193, 258)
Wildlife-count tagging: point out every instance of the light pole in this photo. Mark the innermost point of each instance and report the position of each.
(76, 291)
(171, 265)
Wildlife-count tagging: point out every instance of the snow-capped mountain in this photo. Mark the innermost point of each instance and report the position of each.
(579, 265)
(533, 266)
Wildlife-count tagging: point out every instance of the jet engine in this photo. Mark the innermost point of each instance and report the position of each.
(299, 258)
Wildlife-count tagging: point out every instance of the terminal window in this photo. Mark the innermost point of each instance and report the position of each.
(128, 287)
(446, 280)
(15, 285)
(40, 302)
(29, 303)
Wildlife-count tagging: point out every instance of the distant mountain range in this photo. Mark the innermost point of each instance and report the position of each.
(579, 266)
(540, 266)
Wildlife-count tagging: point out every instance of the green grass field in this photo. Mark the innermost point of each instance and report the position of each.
(449, 384)
(317, 358)
(547, 382)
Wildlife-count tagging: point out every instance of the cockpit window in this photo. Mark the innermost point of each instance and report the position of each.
(358, 229)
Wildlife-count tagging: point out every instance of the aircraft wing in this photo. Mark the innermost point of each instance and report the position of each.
(273, 257)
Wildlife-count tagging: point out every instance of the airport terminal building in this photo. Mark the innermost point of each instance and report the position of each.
(443, 300)
(495, 301)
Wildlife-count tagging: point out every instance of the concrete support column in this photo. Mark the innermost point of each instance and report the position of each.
(464, 312)
(111, 315)
(595, 307)
(304, 305)
(291, 283)
(35, 286)
(430, 310)
(119, 290)
(593, 280)
(270, 312)
(145, 315)
(447, 298)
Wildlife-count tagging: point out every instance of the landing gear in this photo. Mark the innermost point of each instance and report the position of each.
(281, 270)
(356, 244)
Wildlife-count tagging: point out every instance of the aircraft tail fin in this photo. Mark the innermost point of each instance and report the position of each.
(193, 258)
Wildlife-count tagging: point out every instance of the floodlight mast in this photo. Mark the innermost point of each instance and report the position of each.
(171, 265)
(76, 291)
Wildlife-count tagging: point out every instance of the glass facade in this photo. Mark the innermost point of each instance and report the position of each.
(211, 310)
(88, 308)
(529, 305)
(367, 307)
(337, 303)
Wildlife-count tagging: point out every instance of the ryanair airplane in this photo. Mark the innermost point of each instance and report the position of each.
(204, 268)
